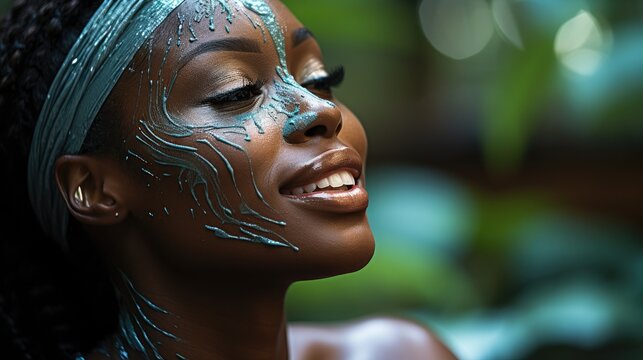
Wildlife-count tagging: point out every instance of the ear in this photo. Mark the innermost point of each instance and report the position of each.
(91, 188)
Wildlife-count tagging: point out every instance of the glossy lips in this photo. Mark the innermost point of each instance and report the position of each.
(330, 182)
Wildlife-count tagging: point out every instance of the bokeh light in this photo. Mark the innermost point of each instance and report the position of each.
(581, 44)
(458, 29)
(505, 19)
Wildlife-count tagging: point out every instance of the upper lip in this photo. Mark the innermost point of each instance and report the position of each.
(324, 165)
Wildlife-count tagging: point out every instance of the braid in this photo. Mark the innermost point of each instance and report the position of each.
(43, 312)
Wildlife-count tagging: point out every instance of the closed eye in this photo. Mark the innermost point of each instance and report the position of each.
(236, 99)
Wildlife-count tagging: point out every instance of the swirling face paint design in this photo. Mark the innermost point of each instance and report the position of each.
(137, 329)
(202, 158)
(196, 173)
(159, 132)
(136, 326)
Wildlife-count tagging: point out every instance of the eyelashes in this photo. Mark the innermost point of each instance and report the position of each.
(328, 82)
(241, 94)
(245, 96)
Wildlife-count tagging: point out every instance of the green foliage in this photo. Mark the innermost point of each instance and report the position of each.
(366, 23)
(397, 279)
(513, 104)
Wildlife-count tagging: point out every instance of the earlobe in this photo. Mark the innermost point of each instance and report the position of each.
(81, 180)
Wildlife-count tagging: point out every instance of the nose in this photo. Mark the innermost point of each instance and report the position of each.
(317, 118)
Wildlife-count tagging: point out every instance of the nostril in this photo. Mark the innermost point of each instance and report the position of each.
(339, 128)
(319, 130)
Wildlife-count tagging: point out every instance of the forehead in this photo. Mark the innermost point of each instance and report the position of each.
(196, 21)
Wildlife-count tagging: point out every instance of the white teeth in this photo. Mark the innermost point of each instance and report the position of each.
(323, 183)
(336, 180)
(347, 178)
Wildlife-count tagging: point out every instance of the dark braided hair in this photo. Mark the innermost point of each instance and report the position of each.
(51, 305)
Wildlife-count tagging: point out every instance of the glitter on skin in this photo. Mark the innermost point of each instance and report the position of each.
(284, 106)
(286, 101)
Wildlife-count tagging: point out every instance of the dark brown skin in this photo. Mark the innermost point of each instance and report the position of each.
(227, 296)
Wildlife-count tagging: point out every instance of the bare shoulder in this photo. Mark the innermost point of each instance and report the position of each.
(395, 338)
(373, 338)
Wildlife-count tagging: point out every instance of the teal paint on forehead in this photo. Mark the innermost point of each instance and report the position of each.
(209, 9)
(269, 19)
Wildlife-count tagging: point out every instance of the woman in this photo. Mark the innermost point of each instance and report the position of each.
(192, 151)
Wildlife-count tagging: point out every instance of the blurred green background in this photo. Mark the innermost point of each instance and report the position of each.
(505, 171)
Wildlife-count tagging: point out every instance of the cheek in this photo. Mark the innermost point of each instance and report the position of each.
(353, 132)
(212, 183)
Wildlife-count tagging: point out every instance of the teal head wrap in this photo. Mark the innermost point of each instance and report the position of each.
(103, 51)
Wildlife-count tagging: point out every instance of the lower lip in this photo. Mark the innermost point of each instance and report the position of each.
(341, 202)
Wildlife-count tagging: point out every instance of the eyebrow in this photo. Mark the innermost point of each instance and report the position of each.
(230, 44)
(300, 35)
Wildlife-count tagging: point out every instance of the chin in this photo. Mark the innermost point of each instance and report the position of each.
(346, 252)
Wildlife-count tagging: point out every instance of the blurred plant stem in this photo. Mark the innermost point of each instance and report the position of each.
(513, 103)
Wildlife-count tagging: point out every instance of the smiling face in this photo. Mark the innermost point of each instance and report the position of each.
(237, 155)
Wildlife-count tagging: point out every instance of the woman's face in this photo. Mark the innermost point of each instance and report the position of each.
(238, 156)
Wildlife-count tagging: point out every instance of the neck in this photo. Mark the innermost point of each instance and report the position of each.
(240, 320)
